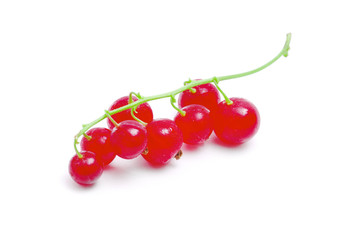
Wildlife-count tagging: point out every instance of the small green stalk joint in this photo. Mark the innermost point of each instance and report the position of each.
(131, 97)
(286, 53)
(187, 82)
(173, 101)
(133, 109)
(135, 94)
(79, 154)
(216, 81)
(135, 117)
(192, 90)
(229, 102)
(110, 118)
(75, 146)
(287, 45)
(87, 137)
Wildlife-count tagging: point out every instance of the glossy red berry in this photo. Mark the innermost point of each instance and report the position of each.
(164, 141)
(85, 170)
(206, 95)
(99, 144)
(129, 139)
(236, 123)
(196, 125)
(143, 111)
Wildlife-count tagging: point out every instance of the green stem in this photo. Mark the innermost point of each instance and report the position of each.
(135, 117)
(173, 101)
(75, 147)
(228, 101)
(192, 90)
(133, 109)
(110, 118)
(172, 94)
(283, 52)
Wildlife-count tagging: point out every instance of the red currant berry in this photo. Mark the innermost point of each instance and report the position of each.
(206, 95)
(164, 141)
(99, 144)
(129, 139)
(143, 111)
(236, 123)
(196, 125)
(85, 170)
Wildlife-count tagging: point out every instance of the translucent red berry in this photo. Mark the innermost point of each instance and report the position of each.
(129, 139)
(143, 111)
(196, 125)
(206, 95)
(85, 170)
(236, 123)
(99, 144)
(164, 141)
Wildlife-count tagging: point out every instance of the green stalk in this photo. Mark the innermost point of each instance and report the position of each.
(188, 85)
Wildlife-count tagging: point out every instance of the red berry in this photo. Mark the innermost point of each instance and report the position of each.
(143, 111)
(206, 95)
(129, 139)
(196, 125)
(99, 144)
(236, 123)
(164, 141)
(85, 170)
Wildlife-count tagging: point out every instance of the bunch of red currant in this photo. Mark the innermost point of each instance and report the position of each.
(158, 141)
(132, 130)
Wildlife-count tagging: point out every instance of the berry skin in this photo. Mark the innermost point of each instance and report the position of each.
(143, 111)
(206, 95)
(85, 170)
(164, 141)
(99, 144)
(196, 125)
(236, 123)
(129, 139)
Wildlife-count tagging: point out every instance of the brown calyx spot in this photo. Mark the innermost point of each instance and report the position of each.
(178, 155)
(145, 151)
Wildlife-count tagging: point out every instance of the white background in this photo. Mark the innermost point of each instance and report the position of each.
(63, 62)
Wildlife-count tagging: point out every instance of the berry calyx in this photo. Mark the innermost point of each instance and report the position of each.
(97, 140)
(143, 111)
(85, 170)
(196, 125)
(164, 141)
(129, 139)
(206, 95)
(236, 123)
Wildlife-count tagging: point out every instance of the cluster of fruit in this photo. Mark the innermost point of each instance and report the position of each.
(201, 112)
(133, 131)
